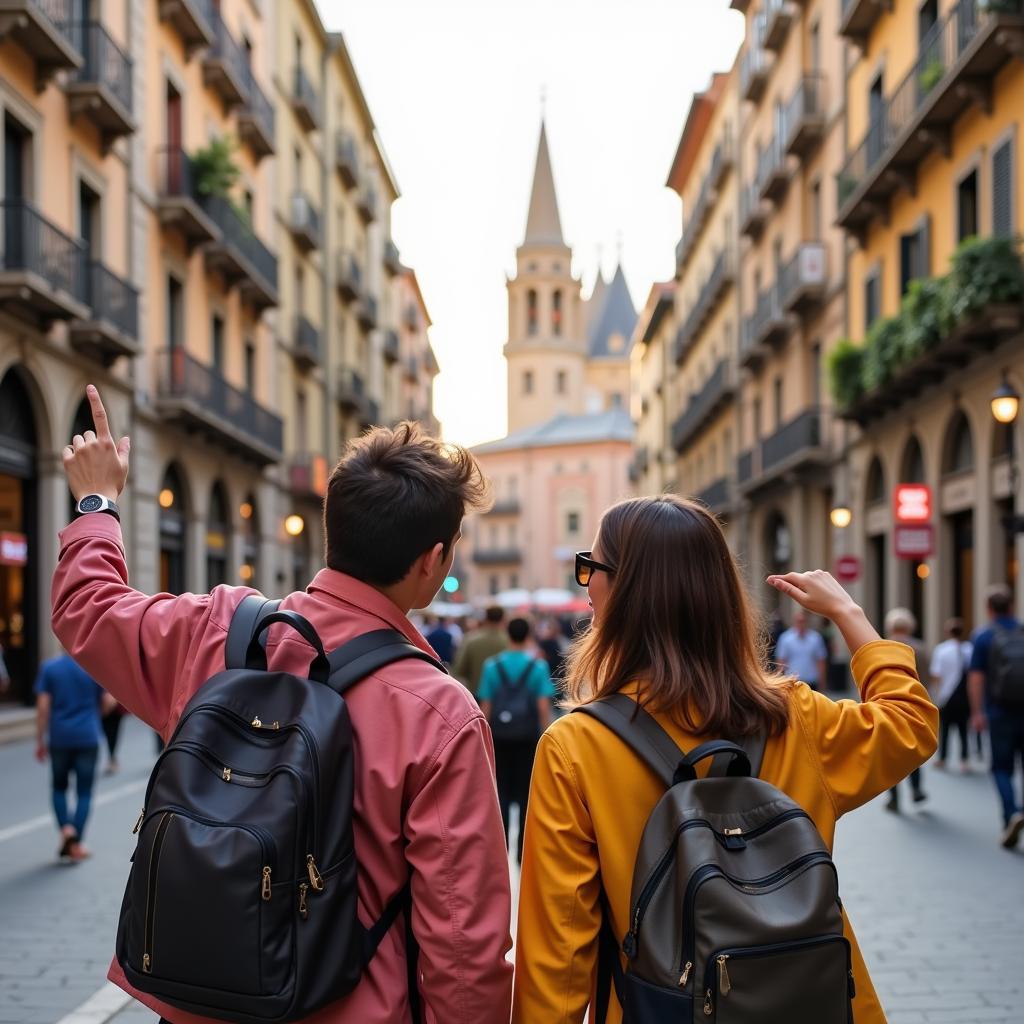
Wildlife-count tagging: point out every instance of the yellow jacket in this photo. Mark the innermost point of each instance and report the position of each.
(591, 796)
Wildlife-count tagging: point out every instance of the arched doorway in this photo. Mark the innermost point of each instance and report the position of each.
(19, 626)
(958, 458)
(218, 537)
(875, 493)
(912, 472)
(249, 571)
(173, 532)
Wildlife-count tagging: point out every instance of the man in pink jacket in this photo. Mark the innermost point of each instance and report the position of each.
(425, 801)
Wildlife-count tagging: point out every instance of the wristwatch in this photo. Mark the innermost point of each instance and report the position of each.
(98, 503)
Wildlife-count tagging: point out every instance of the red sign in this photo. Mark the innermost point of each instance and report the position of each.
(848, 568)
(913, 503)
(916, 542)
(13, 549)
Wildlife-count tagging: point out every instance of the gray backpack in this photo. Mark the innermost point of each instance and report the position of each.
(735, 914)
(1006, 668)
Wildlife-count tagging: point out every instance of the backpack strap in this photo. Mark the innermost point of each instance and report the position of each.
(366, 654)
(374, 935)
(242, 627)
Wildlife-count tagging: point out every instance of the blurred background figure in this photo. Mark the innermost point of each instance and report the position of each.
(900, 625)
(553, 645)
(801, 652)
(478, 646)
(442, 638)
(112, 732)
(951, 661)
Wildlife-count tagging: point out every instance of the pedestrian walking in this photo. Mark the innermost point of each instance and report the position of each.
(515, 696)
(996, 691)
(420, 817)
(68, 707)
(552, 645)
(900, 627)
(440, 637)
(950, 663)
(112, 721)
(5, 676)
(801, 652)
(490, 639)
(674, 633)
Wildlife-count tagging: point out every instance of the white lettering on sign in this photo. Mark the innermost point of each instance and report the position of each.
(13, 549)
(913, 503)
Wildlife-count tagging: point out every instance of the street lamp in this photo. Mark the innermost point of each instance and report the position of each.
(841, 517)
(294, 525)
(1005, 404)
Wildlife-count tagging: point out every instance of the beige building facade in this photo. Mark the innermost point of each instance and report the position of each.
(175, 201)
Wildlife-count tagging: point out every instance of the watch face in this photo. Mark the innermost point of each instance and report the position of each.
(90, 503)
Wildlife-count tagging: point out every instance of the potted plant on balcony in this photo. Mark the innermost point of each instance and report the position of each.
(925, 315)
(987, 273)
(884, 347)
(930, 75)
(846, 373)
(214, 167)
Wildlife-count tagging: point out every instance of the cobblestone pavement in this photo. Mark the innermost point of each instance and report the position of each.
(936, 903)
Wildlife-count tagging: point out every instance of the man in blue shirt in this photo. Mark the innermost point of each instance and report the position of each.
(801, 652)
(515, 696)
(68, 708)
(1005, 723)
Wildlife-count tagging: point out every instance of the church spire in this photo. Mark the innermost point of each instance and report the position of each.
(543, 225)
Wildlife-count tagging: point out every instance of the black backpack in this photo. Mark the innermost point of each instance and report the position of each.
(1006, 668)
(735, 914)
(514, 714)
(241, 902)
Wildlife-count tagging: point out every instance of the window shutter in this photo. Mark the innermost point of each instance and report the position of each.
(870, 302)
(1002, 190)
(924, 247)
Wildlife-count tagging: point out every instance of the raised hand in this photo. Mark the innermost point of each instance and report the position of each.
(93, 463)
(819, 592)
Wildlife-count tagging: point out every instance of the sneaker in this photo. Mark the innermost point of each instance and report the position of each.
(920, 796)
(68, 839)
(892, 805)
(1013, 830)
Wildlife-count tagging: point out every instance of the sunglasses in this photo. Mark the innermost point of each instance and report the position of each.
(587, 566)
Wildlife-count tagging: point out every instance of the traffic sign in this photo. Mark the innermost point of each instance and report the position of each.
(848, 568)
(916, 542)
(913, 503)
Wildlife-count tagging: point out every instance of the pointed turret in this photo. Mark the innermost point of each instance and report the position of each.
(612, 326)
(597, 296)
(543, 225)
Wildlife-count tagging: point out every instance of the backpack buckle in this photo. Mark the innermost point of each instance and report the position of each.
(734, 839)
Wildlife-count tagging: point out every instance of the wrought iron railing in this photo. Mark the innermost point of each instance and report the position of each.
(346, 154)
(305, 216)
(715, 495)
(227, 49)
(307, 338)
(806, 268)
(31, 243)
(808, 101)
(257, 104)
(237, 232)
(391, 344)
(701, 403)
(106, 63)
(799, 434)
(113, 299)
(175, 173)
(305, 93)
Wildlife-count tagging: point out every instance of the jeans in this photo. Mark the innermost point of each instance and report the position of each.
(513, 762)
(948, 721)
(1006, 735)
(81, 761)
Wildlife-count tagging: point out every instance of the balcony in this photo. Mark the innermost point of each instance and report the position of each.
(505, 507)
(858, 17)
(430, 363)
(305, 343)
(239, 255)
(305, 101)
(803, 281)
(498, 556)
(703, 406)
(225, 66)
(366, 204)
(955, 69)
(346, 158)
(111, 328)
(392, 346)
(753, 213)
(796, 448)
(805, 117)
(307, 476)
(412, 369)
(755, 66)
(304, 223)
(392, 259)
(772, 172)
(197, 398)
(101, 89)
(721, 277)
(43, 270)
(192, 19)
(717, 496)
(349, 276)
(779, 18)
(256, 121)
(721, 163)
(767, 325)
(411, 317)
(366, 311)
(42, 29)
(177, 203)
(351, 391)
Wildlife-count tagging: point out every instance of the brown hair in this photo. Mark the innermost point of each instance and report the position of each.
(393, 495)
(679, 622)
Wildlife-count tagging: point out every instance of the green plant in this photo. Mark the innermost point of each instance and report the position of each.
(931, 74)
(925, 315)
(986, 272)
(214, 169)
(846, 372)
(883, 352)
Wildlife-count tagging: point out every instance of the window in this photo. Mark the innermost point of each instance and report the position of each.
(300, 289)
(492, 585)
(556, 313)
(615, 400)
(531, 311)
(572, 523)
(915, 259)
(777, 401)
(560, 382)
(816, 375)
(175, 305)
(217, 343)
(528, 382)
(89, 223)
(17, 140)
(757, 418)
(876, 119)
(927, 16)
(301, 436)
(513, 581)
(816, 231)
(967, 206)
(871, 300)
(250, 367)
(816, 52)
(1002, 190)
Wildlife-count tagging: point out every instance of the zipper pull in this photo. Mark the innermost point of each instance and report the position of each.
(225, 773)
(724, 984)
(265, 886)
(256, 723)
(685, 976)
(303, 909)
(147, 964)
(138, 823)
(315, 878)
(709, 1006)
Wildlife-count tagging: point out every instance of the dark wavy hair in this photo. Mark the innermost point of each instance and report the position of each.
(679, 622)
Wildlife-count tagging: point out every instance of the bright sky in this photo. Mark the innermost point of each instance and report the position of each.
(455, 88)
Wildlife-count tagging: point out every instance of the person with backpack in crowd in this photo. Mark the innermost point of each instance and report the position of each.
(652, 879)
(515, 697)
(951, 661)
(996, 690)
(408, 788)
(490, 639)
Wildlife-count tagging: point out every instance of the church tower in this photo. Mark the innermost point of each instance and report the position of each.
(546, 350)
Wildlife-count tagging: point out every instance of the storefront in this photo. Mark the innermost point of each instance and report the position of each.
(173, 533)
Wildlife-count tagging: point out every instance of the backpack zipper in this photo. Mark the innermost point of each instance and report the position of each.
(631, 941)
(154, 867)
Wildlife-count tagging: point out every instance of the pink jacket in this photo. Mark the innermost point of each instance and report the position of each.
(425, 802)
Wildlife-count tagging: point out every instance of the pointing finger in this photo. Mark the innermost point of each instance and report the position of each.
(99, 414)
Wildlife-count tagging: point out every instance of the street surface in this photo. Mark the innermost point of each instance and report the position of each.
(935, 901)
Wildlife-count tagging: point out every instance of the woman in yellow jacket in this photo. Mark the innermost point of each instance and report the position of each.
(674, 629)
